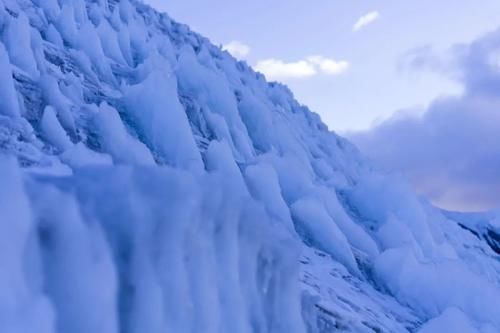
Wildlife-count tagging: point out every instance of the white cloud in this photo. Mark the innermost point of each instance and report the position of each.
(365, 20)
(237, 49)
(275, 69)
(278, 69)
(329, 66)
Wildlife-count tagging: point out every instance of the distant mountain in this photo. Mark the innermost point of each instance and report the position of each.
(150, 182)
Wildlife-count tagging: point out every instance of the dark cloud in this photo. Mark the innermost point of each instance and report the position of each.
(451, 152)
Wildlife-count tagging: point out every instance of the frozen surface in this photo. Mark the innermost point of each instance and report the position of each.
(149, 182)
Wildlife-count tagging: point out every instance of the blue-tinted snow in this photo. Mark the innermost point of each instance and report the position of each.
(149, 182)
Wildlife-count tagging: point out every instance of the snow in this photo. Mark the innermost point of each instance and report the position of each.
(8, 98)
(382, 199)
(55, 98)
(109, 42)
(53, 36)
(50, 8)
(17, 38)
(149, 182)
(452, 320)
(154, 105)
(53, 131)
(124, 43)
(317, 226)
(166, 230)
(23, 308)
(66, 24)
(68, 247)
(90, 44)
(212, 90)
(263, 184)
(355, 234)
(117, 141)
(436, 286)
(79, 155)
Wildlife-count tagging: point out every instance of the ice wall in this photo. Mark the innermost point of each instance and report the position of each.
(153, 183)
(143, 249)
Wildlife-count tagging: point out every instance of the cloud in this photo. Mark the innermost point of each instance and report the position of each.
(451, 152)
(365, 20)
(427, 59)
(329, 66)
(421, 58)
(278, 69)
(275, 69)
(237, 49)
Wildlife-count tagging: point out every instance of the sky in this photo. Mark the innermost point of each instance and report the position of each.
(450, 149)
(412, 83)
(341, 58)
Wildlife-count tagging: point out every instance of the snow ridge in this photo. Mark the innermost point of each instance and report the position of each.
(152, 183)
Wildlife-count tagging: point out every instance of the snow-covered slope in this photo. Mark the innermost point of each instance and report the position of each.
(149, 182)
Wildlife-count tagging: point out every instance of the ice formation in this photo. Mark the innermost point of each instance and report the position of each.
(150, 182)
